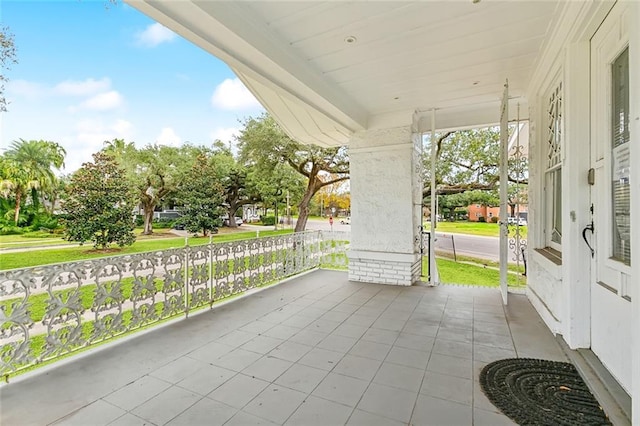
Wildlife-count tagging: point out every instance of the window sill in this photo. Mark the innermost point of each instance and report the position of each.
(551, 255)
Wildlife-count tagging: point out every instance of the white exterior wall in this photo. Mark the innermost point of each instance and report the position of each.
(386, 197)
(562, 294)
(634, 99)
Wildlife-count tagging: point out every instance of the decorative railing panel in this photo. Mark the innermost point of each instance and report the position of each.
(50, 311)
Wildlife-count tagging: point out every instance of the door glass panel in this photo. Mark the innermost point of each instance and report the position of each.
(621, 200)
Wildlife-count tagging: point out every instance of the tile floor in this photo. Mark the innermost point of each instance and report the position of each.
(316, 350)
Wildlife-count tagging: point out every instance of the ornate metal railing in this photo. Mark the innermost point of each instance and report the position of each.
(50, 311)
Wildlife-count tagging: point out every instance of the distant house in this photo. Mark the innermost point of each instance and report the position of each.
(476, 211)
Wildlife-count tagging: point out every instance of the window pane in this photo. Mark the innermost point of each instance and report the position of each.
(621, 200)
(556, 231)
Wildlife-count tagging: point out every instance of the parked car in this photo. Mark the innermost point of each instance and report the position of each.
(225, 221)
(522, 221)
(346, 220)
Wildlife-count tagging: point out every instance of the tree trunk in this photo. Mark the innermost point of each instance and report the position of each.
(148, 218)
(303, 216)
(232, 215)
(16, 215)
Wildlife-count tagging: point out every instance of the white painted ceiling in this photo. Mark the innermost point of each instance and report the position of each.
(297, 59)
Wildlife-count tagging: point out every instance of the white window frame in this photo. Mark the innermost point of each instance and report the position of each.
(552, 150)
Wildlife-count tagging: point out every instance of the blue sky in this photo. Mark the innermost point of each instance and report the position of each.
(87, 73)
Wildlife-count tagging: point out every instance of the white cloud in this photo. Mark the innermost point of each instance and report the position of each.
(154, 35)
(225, 134)
(86, 87)
(27, 89)
(231, 94)
(168, 137)
(90, 135)
(104, 101)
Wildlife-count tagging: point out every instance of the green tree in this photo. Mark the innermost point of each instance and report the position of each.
(98, 205)
(468, 161)
(7, 58)
(152, 172)
(200, 196)
(28, 168)
(263, 144)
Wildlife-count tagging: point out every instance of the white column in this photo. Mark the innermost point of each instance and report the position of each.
(386, 200)
(576, 285)
(634, 101)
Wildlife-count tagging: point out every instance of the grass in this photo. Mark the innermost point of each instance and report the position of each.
(475, 228)
(15, 260)
(452, 272)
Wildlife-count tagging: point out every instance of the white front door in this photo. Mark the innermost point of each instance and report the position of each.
(611, 267)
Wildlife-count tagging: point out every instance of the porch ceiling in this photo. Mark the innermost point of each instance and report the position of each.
(297, 59)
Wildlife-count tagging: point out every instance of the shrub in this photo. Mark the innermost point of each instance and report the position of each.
(11, 230)
(268, 220)
(494, 219)
(482, 219)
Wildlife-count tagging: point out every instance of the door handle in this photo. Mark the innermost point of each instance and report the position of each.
(589, 227)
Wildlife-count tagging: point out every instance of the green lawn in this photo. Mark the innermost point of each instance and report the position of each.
(13, 260)
(452, 272)
(475, 228)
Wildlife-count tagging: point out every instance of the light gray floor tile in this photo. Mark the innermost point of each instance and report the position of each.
(348, 308)
(97, 413)
(164, 407)
(275, 403)
(256, 327)
(336, 316)
(321, 358)
(205, 412)
(130, 420)
(236, 338)
(358, 367)
(206, 379)
(459, 367)
(380, 336)
(363, 418)
(399, 376)
(372, 350)
(455, 334)
(237, 360)
(298, 321)
(341, 389)
(246, 419)
(281, 331)
(438, 412)
(496, 340)
(267, 368)
(177, 370)
(452, 348)
(323, 325)
(447, 387)
(491, 353)
(302, 377)
(414, 341)
(421, 329)
(308, 337)
(319, 412)
(389, 324)
(238, 391)
(337, 343)
(210, 351)
(408, 357)
(491, 327)
(290, 351)
(481, 401)
(489, 418)
(136, 393)
(390, 402)
(262, 344)
(312, 312)
(350, 330)
(360, 320)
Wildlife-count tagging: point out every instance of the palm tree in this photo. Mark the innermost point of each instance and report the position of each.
(28, 166)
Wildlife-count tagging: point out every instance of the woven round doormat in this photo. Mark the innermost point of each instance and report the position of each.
(540, 392)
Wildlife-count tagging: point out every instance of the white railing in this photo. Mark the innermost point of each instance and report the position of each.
(50, 311)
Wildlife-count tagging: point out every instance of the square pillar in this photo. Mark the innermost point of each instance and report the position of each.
(386, 206)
